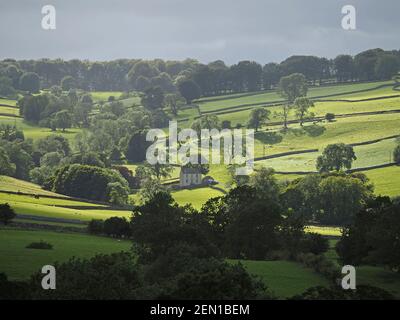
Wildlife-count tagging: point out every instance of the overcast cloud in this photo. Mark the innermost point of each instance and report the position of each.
(207, 30)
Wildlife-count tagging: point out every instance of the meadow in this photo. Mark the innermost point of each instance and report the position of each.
(19, 262)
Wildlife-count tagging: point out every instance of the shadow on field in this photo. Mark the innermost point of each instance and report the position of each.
(268, 137)
(314, 130)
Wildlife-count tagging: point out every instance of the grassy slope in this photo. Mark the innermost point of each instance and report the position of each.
(274, 96)
(367, 155)
(386, 180)
(196, 197)
(347, 130)
(45, 207)
(19, 263)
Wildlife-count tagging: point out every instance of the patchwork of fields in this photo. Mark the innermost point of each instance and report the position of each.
(347, 102)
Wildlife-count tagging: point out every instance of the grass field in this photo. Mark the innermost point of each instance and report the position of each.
(19, 263)
(196, 197)
(8, 102)
(50, 208)
(273, 96)
(98, 96)
(16, 185)
(367, 155)
(35, 132)
(386, 180)
(284, 278)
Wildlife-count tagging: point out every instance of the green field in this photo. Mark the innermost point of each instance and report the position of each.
(386, 180)
(367, 155)
(196, 197)
(284, 278)
(273, 96)
(19, 263)
(35, 132)
(98, 96)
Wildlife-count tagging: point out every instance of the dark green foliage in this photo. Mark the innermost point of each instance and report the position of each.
(315, 243)
(363, 292)
(88, 182)
(41, 245)
(373, 237)
(328, 199)
(6, 213)
(153, 98)
(13, 290)
(336, 157)
(31, 107)
(30, 82)
(137, 147)
(189, 90)
(96, 226)
(111, 277)
(117, 227)
(330, 117)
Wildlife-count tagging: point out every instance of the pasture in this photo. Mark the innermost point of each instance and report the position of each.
(19, 262)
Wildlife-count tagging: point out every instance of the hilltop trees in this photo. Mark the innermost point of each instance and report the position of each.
(30, 82)
(336, 157)
(189, 90)
(258, 117)
(345, 68)
(6, 88)
(68, 83)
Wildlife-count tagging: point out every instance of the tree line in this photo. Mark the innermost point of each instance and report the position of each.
(214, 78)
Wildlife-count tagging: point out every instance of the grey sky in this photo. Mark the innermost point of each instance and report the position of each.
(231, 30)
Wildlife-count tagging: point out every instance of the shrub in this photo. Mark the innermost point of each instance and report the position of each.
(117, 227)
(95, 226)
(42, 245)
(6, 213)
(330, 117)
(315, 243)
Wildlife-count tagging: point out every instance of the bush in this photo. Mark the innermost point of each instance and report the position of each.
(330, 117)
(96, 226)
(315, 243)
(117, 227)
(6, 213)
(42, 245)
(319, 264)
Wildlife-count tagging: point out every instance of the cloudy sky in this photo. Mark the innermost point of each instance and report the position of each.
(207, 30)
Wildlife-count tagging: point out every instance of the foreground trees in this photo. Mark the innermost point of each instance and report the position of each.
(373, 236)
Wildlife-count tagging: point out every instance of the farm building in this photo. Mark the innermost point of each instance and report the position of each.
(190, 177)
